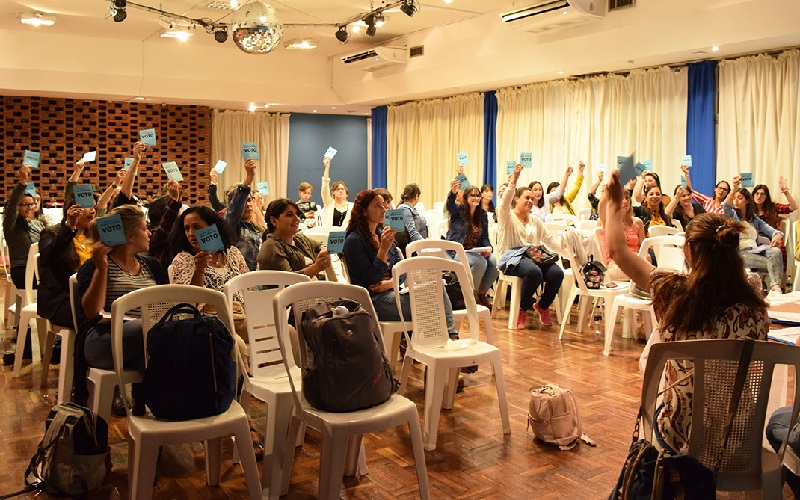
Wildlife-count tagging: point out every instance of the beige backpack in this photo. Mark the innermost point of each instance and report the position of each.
(553, 416)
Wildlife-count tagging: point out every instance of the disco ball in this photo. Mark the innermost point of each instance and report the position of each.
(256, 28)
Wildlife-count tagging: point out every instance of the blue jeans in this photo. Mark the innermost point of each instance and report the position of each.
(484, 270)
(772, 262)
(97, 346)
(532, 276)
(386, 309)
(778, 427)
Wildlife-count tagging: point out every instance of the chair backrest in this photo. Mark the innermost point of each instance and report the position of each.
(423, 277)
(668, 251)
(31, 272)
(6, 262)
(438, 206)
(256, 290)
(678, 225)
(320, 233)
(74, 300)
(300, 298)
(433, 218)
(437, 248)
(566, 219)
(170, 268)
(587, 225)
(584, 214)
(555, 227)
(715, 363)
(653, 231)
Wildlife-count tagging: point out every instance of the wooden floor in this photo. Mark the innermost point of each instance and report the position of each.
(473, 458)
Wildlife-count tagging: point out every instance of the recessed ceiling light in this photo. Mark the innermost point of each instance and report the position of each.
(715, 48)
(252, 107)
(266, 106)
(234, 4)
(300, 44)
(179, 32)
(138, 98)
(560, 72)
(314, 111)
(448, 1)
(37, 19)
(357, 27)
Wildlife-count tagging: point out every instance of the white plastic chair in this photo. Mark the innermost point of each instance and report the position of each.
(320, 233)
(565, 219)
(434, 219)
(587, 225)
(746, 465)
(653, 231)
(437, 248)
(10, 291)
(148, 433)
(341, 432)
(29, 312)
(584, 214)
(669, 253)
(796, 280)
(555, 227)
(268, 381)
(430, 343)
(583, 292)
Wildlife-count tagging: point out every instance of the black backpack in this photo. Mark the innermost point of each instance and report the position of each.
(191, 371)
(346, 366)
(73, 456)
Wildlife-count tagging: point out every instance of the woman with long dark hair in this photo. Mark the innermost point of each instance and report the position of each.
(285, 248)
(652, 212)
(770, 211)
(469, 225)
(714, 301)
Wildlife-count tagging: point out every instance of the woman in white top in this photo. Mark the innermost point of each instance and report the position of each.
(337, 209)
(517, 230)
(542, 202)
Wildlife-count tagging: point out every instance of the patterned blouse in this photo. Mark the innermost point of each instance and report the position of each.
(674, 406)
(214, 278)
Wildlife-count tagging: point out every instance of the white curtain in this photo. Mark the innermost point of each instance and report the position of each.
(759, 120)
(424, 139)
(270, 131)
(594, 120)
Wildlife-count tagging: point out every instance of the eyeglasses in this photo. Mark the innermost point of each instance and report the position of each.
(33, 204)
(474, 195)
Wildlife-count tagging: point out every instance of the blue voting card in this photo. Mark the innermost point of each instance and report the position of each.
(526, 160)
(464, 181)
(128, 163)
(220, 166)
(683, 181)
(639, 167)
(172, 170)
(30, 188)
(84, 195)
(648, 165)
(209, 239)
(89, 156)
(602, 167)
(463, 159)
(686, 160)
(250, 150)
(336, 241)
(747, 180)
(510, 167)
(110, 229)
(148, 136)
(395, 219)
(330, 153)
(263, 187)
(31, 158)
(626, 169)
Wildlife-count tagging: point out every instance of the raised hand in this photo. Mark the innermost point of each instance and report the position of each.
(783, 185)
(138, 149)
(455, 185)
(581, 166)
(569, 171)
(201, 261)
(387, 238)
(174, 189)
(213, 176)
(100, 256)
(72, 215)
(24, 174)
(517, 171)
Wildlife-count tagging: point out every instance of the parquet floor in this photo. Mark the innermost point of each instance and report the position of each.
(473, 458)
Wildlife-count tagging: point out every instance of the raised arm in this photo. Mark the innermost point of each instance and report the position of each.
(127, 183)
(212, 192)
(638, 189)
(570, 197)
(610, 210)
(737, 181)
(593, 188)
(75, 178)
(673, 203)
(94, 298)
(685, 171)
(784, 186)
(11, 212)
(327, 199)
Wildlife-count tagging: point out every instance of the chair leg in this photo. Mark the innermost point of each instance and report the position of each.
(450, 388)
(331, 466)
(142, 458)
(49, 340)
(296, 428)
(516, 299)
(277, 444)
(102, 397)
(65, 368)
(611, 321)
(355, 462)
(433, 405)
(567, 310)
(248, 458)
(499, 296)
(22, 337)
(404, 372)
(583, 305)
(213, 453)
(486, 317)
(500, 384)
(419, 452)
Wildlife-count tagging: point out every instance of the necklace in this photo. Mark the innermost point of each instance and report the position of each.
(135, 270)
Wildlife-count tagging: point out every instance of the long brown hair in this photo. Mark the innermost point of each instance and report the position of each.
(358, 217)
(717, 281)
(473, 220)
(770, 211)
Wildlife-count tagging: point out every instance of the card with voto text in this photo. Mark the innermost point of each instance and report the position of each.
(526, 160)
(148, 136)
(395, 219)
(336, 241)
(30, 188)
(31, 158)
(683, 181)
(220, 166)
(747, 180)
(209, 239)
(89, 156)
(110, 229)
(626, 169)
(686, 160)
(172, 170)
(510, 167)
(463, 159)
(263, 187)
(464, 181)
(84, 195)
(648, 165)
(330, 153)
(127, 163)
(250, 150)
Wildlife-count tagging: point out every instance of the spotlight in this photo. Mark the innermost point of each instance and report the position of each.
(342, 35)
(220, 34)
(119, 10)
(409, 7)
(370, 22)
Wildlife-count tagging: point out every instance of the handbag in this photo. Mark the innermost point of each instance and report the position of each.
(540, 255)
(652, 474)
(593, 273)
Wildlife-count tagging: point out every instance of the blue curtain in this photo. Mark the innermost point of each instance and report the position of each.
(379, 117)
(700, 125)
(490, 138)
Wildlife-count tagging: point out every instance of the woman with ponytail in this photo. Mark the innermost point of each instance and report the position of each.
(714, 301)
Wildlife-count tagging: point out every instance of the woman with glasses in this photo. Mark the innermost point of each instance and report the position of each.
(711, 205)
(469, 225)
(20, 226)
(241, 216)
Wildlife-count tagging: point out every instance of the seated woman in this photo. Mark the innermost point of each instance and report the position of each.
(469, 225)
(771, 212)
(731, 308)
(563, 204)
(371, 253)
(285, 248)
(62, 251)
(743, 210)
(241, 216)
(416, 226)
(110, 273)
(517, 230)
(542, 203)
(643, 184)
(337, 209)
(652, 212)
(487, 195)
(683, 208)
(634, 235)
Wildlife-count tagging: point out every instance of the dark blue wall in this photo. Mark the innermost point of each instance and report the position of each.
(309, 138)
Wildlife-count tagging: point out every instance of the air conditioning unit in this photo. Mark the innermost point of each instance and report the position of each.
(377, 58)
(551, 15)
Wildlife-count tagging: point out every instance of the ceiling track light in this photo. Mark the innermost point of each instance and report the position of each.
(342, 35)
(369, 20)
(220, 34)
(409, 7)
(119, 10)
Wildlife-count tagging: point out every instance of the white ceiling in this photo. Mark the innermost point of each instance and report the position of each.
(466, 48)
